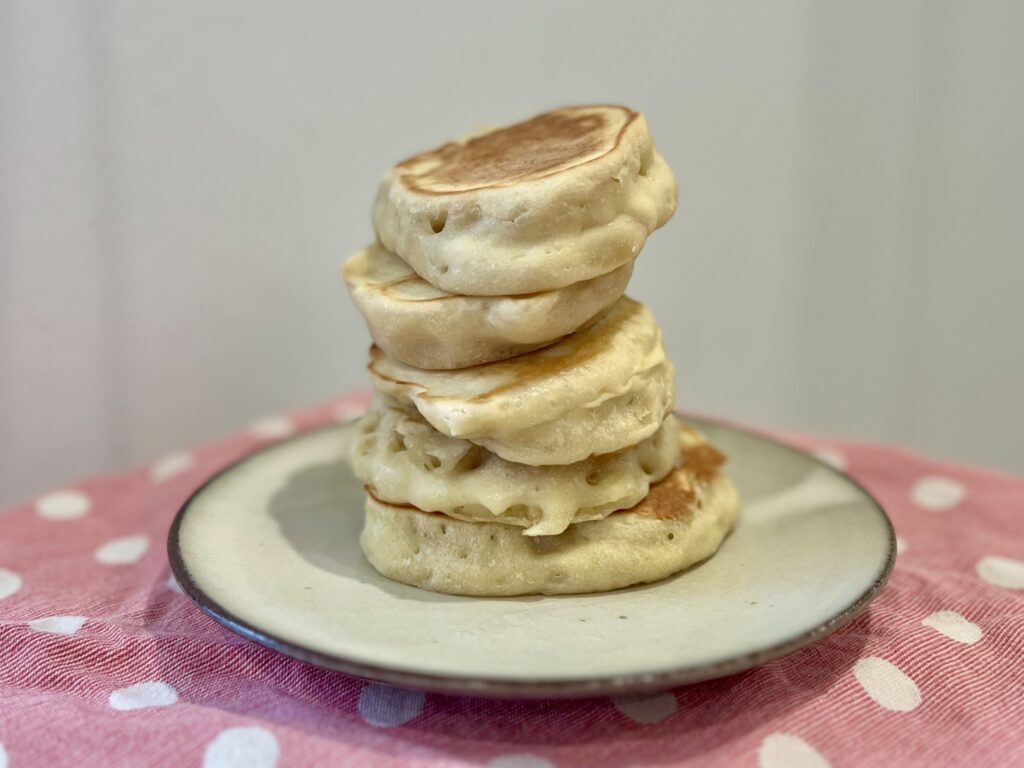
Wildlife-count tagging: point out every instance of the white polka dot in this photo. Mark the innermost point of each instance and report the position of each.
(242, 748)
(63, 505)
(386, 705)
(784, 750)
(154, 693)
(347, 411)
(58, 625)
(831, 457)
(954, 626)
(647, 708)
(887, 685)
(1002, 571)
(937, 493)
(519, 761)
(273, 428)
(901, 545)
(3, 757)
(171, 466)
(174, 586)
(123, 551)
(10, 582)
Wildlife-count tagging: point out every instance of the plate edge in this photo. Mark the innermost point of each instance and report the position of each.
(526, 689)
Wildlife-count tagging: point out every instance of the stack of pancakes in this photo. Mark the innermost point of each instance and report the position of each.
(522, 439)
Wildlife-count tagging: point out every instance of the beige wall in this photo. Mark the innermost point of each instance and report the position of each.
(180, 181)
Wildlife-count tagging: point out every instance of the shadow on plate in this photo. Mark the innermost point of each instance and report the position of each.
(319, 512)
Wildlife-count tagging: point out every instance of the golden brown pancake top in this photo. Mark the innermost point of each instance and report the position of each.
(545, 145)
(674, 497)
(702, 461)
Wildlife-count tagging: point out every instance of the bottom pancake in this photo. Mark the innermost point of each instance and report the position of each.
(681, 522)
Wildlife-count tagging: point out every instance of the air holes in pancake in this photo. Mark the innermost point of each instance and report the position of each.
(470, 460)
(444, 529)
(645, 163)
(670, 536)
(431, 463)
(593, 478)
(396, 444)
(437, 222)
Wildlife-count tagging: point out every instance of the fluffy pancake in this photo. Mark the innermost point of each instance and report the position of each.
(420, 325)
(403, 460)
(681, 522)
(555, 200)
(603, 388)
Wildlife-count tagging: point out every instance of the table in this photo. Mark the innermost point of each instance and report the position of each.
(103, 662)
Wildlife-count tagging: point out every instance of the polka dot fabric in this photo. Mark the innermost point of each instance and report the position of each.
(104, 662)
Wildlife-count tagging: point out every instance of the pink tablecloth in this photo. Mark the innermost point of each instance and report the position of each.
(103, 662)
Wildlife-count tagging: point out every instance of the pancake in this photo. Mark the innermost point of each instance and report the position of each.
(404, 460)
(681, 522)
(539, 205)
(420, 325)
(601, 389)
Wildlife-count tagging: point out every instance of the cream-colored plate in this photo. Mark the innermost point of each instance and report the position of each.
(269, 547)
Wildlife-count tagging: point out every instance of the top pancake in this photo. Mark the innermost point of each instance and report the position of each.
(558, 199)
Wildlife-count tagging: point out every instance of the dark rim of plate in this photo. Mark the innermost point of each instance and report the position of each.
(504, 688)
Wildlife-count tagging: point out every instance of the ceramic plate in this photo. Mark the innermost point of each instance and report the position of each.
(269, 547)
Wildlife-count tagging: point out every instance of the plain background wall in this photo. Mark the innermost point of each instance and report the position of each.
(180, 182)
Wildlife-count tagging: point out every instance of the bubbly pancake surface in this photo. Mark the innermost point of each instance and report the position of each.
(403, 460)
(682, 521)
